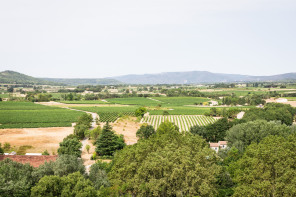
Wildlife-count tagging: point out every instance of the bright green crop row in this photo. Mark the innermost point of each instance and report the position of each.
(30, 115)
(134, 101)
(110, 114)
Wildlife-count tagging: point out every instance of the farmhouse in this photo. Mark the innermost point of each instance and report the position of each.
(217, 146)
(33, 160)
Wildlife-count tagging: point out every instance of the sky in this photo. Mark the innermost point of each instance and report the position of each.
(95, 38)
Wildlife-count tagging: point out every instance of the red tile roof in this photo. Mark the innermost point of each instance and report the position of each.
(34, 161)
(214, 145)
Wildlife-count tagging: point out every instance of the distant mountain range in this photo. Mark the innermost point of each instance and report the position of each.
(196, 77)
(193, 77)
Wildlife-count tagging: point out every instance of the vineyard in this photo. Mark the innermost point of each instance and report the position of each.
(184, 122)
(113, 116)
(110, 114)
(30, 115)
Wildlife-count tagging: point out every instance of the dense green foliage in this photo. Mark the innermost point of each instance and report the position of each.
(98, 176)
(267, 168)
(70, 147)
(167, 164)
(72, 185)
(108, 142)
(16, 179)
(272, 111)
(242, 135)
(145, 131)
(140, 111)
(213, 132)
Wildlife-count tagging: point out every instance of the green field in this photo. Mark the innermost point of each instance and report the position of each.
(85, 102)
(180, 101)
(110, 114)
(183, 122)
(291, 98)
(4, 95)
(135, 101)
(30, 115)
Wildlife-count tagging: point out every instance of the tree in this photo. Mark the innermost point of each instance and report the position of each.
(72, 185)
(166, 127)
(242, 135)
(87, 147)
(145, 131)
(109, 142)
(70, 147)
(213, 132)
(267, 168)
(98, 176)
(95, 133)
(1, 150)
(64, 165)
(169, 163)
(141, 111)
(79, 130)
(15, 178)
(165, 113)
(45, 152)
(85, 119)
(272, 111)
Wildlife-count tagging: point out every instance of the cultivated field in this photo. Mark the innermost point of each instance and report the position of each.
(30, 115)
(184, 122)
(110, 114)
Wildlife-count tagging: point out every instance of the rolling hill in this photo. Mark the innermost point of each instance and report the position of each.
(194, 77)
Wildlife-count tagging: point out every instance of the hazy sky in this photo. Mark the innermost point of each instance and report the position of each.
(96, 38)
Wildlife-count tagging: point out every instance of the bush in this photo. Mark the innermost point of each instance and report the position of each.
(145, 131)
(140, 111)
(70, 147)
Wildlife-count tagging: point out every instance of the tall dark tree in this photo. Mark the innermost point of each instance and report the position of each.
(108, 142)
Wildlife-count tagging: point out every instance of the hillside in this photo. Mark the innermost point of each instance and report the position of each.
(84, 81)
(198, 77)
(194, 77)
(12, 77)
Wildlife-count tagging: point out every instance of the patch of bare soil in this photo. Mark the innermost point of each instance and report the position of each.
(86, 155)
(128, 128)
(40, 139)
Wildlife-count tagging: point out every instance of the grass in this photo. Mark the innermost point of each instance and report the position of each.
(30, 115)
(291, 98)
(141, 101)
(85, 102)
(180, 101)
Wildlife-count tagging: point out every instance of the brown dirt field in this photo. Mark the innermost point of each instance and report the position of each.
(128, 128)
(40, 138)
